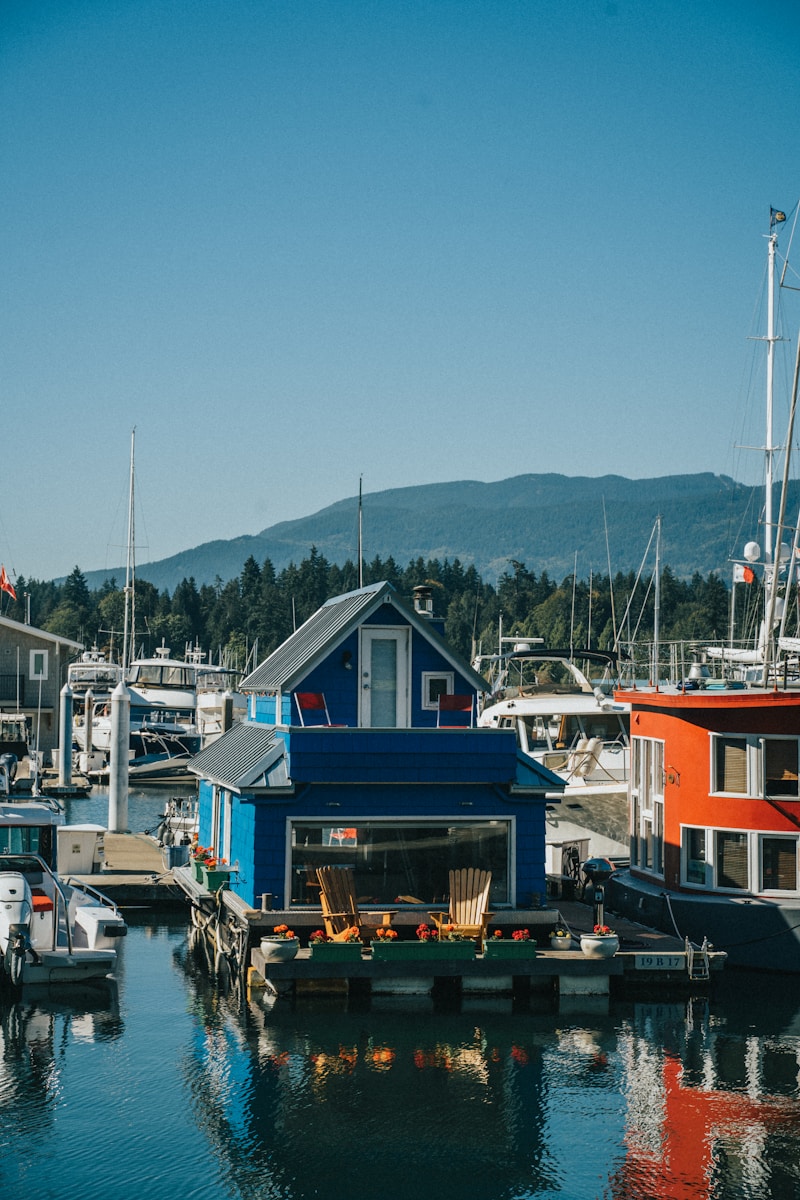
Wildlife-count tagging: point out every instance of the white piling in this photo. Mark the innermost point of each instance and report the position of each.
(119, 759)
(88, 729)
(65, 737)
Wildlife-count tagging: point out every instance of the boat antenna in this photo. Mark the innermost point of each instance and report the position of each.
(360, 538)
(129, 628)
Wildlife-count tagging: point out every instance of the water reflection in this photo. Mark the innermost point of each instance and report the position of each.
(212, 1092)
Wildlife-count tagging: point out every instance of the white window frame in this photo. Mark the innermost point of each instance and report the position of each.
(755, 865)
(325, 819)
(38, 665)
(755, 763)
(647, 802)
(429, 703)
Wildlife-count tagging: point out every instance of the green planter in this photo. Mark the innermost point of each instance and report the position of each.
(214, 880)
(336, 952)
(197, 870)
(496, 948)
(422, 952)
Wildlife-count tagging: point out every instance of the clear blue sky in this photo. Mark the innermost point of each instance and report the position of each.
(297, 242)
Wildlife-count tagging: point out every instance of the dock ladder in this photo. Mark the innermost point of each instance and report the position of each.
(697, 960)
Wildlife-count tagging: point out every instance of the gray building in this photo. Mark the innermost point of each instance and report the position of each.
(33, 670)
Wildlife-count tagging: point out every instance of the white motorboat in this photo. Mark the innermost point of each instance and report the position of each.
(177, 706)
(52, 930)
(575, 729)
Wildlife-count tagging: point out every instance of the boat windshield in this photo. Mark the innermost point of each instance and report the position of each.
(161, 675)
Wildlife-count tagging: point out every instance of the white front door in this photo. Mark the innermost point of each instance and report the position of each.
(384, 677)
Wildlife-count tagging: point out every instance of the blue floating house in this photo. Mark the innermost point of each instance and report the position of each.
(360, 749)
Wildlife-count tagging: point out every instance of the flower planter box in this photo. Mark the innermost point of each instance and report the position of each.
(197, 870)
(338, 952)
(425, 952)
(214, 880)
(495, 948)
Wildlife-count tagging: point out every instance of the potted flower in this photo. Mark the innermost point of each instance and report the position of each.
(215, 871)
(448, 942)
(197, 856)
(346, 949)
(560, 938)
(519, 945)
(602, 942)
(281, 945)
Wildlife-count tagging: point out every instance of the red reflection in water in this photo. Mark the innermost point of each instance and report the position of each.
(694, 1119)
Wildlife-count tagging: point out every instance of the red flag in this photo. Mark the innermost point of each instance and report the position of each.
(743, 573)
(6, 584)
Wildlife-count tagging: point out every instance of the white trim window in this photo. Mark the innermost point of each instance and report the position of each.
(647, 805)
(738, 860)
(755, 766)
(434, 685)
(38, 665)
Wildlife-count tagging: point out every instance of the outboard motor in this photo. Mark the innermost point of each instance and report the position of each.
(16, 909)
(598, 871)
(8, 771)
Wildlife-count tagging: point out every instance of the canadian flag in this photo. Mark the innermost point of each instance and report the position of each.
(5, 583)
(741, 574)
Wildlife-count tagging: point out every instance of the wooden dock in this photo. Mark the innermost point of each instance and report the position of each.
(135, 875)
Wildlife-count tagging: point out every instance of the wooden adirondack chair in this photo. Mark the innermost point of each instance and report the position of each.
(469, 900)
(340, 910)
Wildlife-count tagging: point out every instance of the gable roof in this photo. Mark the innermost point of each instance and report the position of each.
(32, 631)
(289, 664)
(249, 754)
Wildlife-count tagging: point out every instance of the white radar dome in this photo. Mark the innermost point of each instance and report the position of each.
(752, 552)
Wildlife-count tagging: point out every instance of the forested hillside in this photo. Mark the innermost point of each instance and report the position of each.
(242, 619)
(549, 522)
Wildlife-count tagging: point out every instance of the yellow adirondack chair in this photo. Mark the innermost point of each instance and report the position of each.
(469, 900)
(340, 910)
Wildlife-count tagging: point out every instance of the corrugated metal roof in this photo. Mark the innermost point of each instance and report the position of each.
(292, 661)
(240, 756)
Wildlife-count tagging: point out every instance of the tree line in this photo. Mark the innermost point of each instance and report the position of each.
(241, 621)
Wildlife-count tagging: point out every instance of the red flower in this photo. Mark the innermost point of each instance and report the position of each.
(521, 935)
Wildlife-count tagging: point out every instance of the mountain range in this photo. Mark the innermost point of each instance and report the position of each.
(548, 522)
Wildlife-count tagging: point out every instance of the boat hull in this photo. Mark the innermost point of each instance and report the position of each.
(756, 934)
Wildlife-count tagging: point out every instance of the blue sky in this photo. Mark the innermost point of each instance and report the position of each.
(295, 243)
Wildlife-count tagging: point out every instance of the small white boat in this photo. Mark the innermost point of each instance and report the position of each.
(52, 930)
(575, 729)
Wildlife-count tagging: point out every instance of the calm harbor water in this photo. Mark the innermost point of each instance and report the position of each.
(173, 1083)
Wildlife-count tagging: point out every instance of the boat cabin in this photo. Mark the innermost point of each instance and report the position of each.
(361, 749)
(715, 792)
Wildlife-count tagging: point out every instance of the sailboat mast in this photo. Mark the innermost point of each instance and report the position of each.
(129, 628)
(769, 448)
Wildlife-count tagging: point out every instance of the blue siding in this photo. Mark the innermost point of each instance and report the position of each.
(401, 774)
(262, 826)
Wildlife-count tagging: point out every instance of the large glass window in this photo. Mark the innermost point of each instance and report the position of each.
(398, 862)
(731, 859)
(755, 766)
(730, 762)
(695, 846)
(780, 767)
(778, 863)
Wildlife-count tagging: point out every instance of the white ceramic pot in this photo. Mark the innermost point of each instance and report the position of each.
(279, 949)
(596, 945)
(560, 943)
